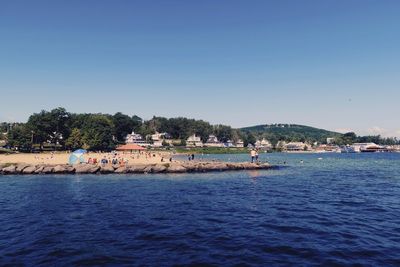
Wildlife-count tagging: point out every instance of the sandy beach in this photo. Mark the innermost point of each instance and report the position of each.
(62, 157)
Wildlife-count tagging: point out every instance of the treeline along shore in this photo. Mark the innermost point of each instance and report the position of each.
(59, 129)
(173, 167)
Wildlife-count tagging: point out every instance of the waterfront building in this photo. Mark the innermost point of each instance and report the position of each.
(328, 148)
(396, 148)
(194, 141)
(263, 144)
(134, 138)
(239, 143)
(158, 139)
(213, 141)
(359, 147)
(296, 146)
(368, 147)
(228, 144)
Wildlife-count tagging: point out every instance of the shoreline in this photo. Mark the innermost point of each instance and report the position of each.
(174, 167)
(61, 158)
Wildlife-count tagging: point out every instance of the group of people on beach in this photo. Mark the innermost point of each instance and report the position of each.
(122, 159)
(44, 159)
(112, 158)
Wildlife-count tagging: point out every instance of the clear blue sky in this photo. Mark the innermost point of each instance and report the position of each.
(333, 64)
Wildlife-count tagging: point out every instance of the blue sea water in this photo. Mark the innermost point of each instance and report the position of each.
(318, 209)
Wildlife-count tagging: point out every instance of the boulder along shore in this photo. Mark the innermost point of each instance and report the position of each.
(181, 167)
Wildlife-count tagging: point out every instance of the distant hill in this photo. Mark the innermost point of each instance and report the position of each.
(290, 132)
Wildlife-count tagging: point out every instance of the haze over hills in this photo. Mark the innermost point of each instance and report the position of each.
(290, 132)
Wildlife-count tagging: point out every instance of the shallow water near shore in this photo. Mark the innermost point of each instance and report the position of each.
(317, 209)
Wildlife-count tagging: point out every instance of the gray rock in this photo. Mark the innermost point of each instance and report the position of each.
(86, 168)
(136, 169)
(216, 167)
(21, 167)
(59, 169)
(190, 167)
(235, 166)
(29, 170)
(176, 168)
(158, 168)
(48, 170)
(106, 169)
(63, 169)
(250, 166)
(10, 169)
(121, 170)
(148, 169)
(70, 169)
(39, 169)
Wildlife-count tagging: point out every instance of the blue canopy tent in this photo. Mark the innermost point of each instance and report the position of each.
(77, 156)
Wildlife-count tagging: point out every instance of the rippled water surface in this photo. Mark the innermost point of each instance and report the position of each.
(330, 209)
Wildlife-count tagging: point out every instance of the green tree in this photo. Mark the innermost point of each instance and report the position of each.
(20, 137)
(202, 129)
(97, 132)
(75, 140)
(123, 126)
(53, 126)
(223, 132)
(249, 138)
(3, 128)
(137, 122)
(183, 142)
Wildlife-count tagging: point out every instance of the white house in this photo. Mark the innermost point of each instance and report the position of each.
(160, 136)
(228, 143)
(263, 144)
(158, 139)
(194, 141)
(239, 143)
(157, 136)
(158, 143)
(135, 138)
(212, 141)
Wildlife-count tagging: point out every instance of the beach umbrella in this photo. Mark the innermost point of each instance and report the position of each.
(77, 156)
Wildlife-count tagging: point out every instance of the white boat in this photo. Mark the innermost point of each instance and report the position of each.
(348, 149)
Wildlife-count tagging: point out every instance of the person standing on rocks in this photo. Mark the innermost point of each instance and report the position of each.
(253, 155)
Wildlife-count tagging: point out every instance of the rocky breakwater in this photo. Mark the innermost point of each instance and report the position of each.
(175, 167)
